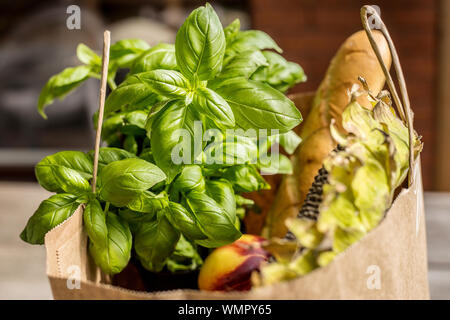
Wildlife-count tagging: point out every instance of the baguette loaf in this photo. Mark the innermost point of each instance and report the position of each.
(354, 58)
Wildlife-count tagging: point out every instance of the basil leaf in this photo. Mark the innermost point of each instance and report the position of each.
(148, 203)
(287, 77)
(136, 118)
(155, 241)
(75, 166)
(213, 220)
(251, 40)
(111, 126)
(152, 114)
(222, 192)
(185, 257)
(231, 151)
(279, 73)
(128, 46)
(61, 84)
(213, 106)
(171, 138)
(280, 165)
(110, 238)
(135, 219)
(241, 201)
(75, 160)
(95, 222)
(51, 212)
(200, 44)
(69, 180)
(134, 123)
(53, 178)
(143, 208)
(258, 106)
(190, 178)
(87, 56)
(130, 144)
(167, 83)
(108, 155)
(232, 30)
(121, 181)
(147, 155)
(289, 141)
(133, 92)
(124, 52)
(245, 178)
(161, 56)
(243, 64)
(185, 221)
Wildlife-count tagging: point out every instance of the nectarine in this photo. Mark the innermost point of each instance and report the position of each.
(230, 267)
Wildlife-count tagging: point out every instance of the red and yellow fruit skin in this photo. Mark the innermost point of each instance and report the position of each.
(230, 267)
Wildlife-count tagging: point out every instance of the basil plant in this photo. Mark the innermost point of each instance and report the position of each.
(187, 131)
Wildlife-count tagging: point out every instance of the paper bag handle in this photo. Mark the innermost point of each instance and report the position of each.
(403, 105)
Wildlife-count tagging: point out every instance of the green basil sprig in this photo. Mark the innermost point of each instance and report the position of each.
(159, 190)
(122, 54)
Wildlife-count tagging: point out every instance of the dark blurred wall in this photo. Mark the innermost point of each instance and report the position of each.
(310, 33)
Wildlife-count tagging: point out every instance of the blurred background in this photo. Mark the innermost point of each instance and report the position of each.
(35, 43)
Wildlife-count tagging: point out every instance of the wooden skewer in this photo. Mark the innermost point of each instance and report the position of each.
(103, 81)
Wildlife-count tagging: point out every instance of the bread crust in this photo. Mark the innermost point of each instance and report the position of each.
(354, 58)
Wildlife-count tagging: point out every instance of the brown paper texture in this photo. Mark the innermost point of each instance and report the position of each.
(388, 263)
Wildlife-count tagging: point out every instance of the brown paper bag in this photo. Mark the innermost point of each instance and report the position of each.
(388, 263)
